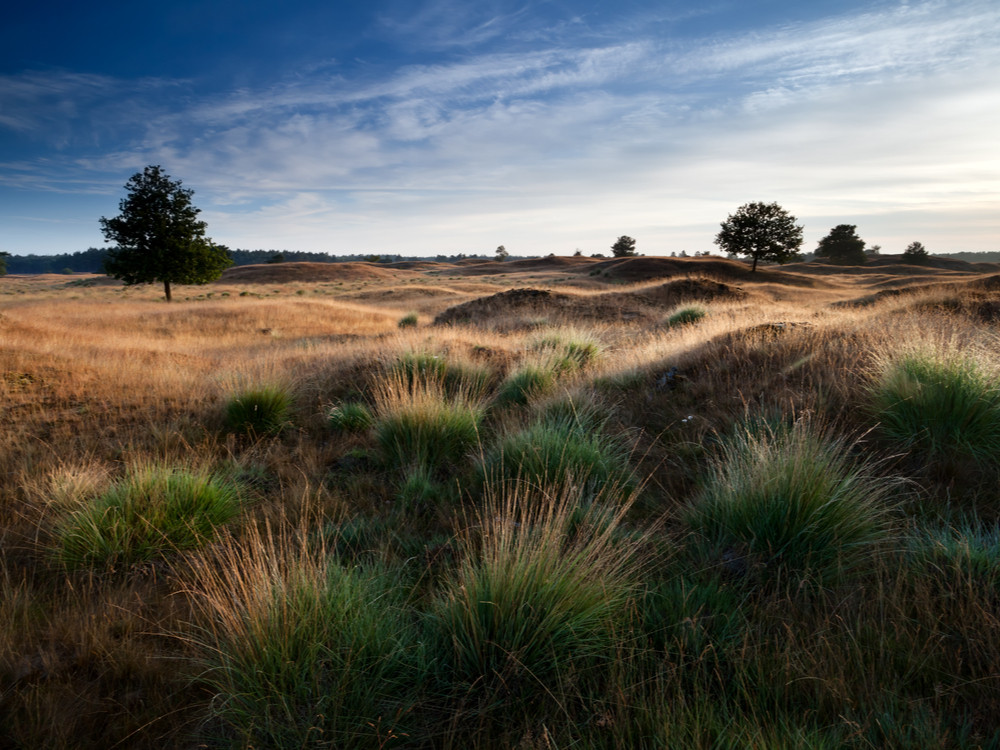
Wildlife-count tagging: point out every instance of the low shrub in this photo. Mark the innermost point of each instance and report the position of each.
(408, 321)
(786, 502)
(260, 411)
(150, 513)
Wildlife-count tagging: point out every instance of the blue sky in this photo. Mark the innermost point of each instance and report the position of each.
(444, 126)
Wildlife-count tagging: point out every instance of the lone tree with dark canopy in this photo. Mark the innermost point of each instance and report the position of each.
(624, 247)
(763, 231)
(159, 237)
(842, 245)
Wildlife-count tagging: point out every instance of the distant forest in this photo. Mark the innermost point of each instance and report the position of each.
(92, 260)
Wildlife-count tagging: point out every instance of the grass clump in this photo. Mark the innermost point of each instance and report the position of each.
(259, 411)
(150, 513)
(408, 321)
(686, 315)
(530, 609)
(788, 502)
(526, 383)
(569, 351)
(560, 448)
(351, 417)
(419, 426)
(301, 651)
(942, 406)
(455, 378)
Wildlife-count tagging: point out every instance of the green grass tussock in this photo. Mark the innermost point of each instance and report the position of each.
(790, 502)
(561, 448)
(350, 417)
(148, 514)
(530, 608)
(301, 651)
(259, 411)
(686, 315)
(941, 406)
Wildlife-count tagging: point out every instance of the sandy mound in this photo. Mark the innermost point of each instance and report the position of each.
(687, 290)
(645, 269)
(283, 273)
(522, 308)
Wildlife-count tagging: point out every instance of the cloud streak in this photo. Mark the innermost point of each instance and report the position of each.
(853, 116)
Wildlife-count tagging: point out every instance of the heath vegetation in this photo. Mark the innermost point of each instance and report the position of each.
(676, 504)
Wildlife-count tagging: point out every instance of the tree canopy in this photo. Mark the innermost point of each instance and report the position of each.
(842, 245)
(915, 253)
(3, 263)
(624, 247)
(762, 231)
(159, 237)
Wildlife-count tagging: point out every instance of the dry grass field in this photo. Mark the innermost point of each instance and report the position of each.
(566, 502)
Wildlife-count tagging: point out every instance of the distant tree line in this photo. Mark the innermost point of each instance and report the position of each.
(92, 259)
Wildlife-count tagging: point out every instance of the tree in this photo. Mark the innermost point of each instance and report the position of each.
(916, 254)
(159, 237)
(3, 263)
(842, 245)
(624, 247)
(502, 253)
(764, 231)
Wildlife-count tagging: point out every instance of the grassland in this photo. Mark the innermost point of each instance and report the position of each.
(649, 503)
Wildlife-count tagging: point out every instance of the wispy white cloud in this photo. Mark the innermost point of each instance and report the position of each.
(867, 115)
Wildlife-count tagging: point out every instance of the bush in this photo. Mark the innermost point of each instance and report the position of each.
(408, 321)
(945, 407)
(150, 513)
(304, 652)
(788, 502)
(686, 315)
(261, 411)
(351, 417)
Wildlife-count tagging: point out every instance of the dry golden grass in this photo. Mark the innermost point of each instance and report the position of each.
(96, 377)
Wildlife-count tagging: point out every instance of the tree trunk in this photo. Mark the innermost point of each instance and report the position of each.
(166, 288)
(751, 270)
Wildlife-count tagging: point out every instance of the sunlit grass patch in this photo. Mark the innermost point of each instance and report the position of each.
(350, 417)
(686, 315)
(152, 512)
(940, 405)
(300, 650)
(791, 502)
(526, 383)
(417, 425)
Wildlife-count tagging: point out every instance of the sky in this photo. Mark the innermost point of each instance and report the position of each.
(425, 127)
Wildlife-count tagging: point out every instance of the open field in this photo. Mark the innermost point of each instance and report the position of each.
(565, 502)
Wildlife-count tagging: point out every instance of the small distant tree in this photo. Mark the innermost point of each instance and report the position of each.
(624, 247)
(916, 254)
(873, 251)
(277, 258)
(578, 253)
(3, 263)
(763, 231)
(842, 245)
(501, 254)
(159, 237)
